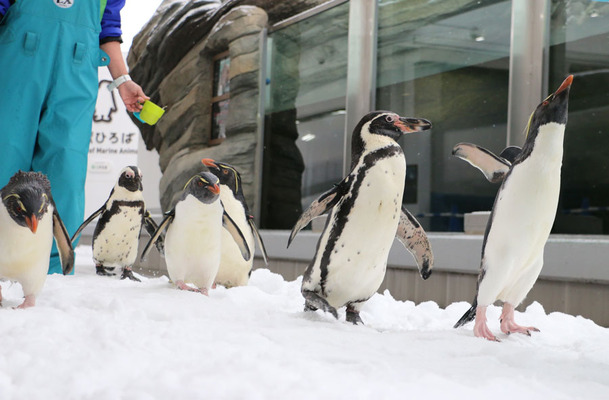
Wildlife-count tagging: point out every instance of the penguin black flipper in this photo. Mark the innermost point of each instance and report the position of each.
(87, 222)
(64, 244)
(510, 153)
(413, 237)
(259, 240)
(151, 227)
(233, 229)
(169, 216)
(493, 167)
(318, 207)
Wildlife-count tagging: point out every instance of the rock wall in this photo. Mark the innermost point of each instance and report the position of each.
(171, 58)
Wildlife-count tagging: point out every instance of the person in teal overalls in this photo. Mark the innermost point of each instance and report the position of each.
(50, 51)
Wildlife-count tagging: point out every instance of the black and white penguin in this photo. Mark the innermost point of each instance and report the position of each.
(121, 217)
(193, 241)
(234, 270)
(28, 222)
(365, 214)
(523, 213)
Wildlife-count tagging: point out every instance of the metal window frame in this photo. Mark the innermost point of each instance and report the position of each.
(528, 74)
(529, 63)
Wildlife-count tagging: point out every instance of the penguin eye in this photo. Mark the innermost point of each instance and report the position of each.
(390, 118)
(225, 172)
(200, 183)
(545, 102)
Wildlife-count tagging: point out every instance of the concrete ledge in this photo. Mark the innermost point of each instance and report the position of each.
(568, 257)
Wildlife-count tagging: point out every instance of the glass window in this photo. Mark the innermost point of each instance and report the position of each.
(579, 45)
(447, 62)
(304, 114)
(220, 98)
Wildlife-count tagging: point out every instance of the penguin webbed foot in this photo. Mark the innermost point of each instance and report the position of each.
(104, 271)
(480, 327)
(509, 326)
(183, 286)
(127, 273)
(353, 316)
(29, 301)
(315, 302)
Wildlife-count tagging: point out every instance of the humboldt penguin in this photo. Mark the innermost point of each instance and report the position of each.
(121, 217)
(28, 222)
(234, 270)
(365, 214)
(193, 240)
(523, 213)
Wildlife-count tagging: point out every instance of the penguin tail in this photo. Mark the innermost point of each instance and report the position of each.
(468, 316)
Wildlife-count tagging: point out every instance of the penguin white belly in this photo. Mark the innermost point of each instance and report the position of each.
(358, 258)
(522, 220)
(234, 270)
(193, 242)
(116, 245)
(25, 255)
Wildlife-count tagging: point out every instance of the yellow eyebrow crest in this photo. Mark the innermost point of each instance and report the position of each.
(44, 203)
(11, 195)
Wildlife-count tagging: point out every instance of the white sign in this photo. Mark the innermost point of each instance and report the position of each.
(113, 145)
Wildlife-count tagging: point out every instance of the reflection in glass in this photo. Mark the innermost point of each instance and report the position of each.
(447, 62)
(304, 114)
(219, 114)
(579, 45)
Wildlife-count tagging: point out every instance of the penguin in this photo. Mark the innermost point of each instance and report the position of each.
(234, 270)
(121, 217)
(365, 214)
(194, 234)
(28, 223)
(522, 215)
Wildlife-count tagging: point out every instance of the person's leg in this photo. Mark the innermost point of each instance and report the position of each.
(63, 139)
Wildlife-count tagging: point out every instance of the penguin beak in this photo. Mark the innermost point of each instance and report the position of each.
(32, 223)
(215, 189)
(408, 125)
(565, 85)
(208, 162)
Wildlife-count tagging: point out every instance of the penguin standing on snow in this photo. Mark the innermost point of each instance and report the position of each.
(523, 213)
(117, 233)
(193, 240)
(28, 222)
(365, 214)
(234, 270)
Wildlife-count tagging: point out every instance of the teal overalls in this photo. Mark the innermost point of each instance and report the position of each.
(49, 56)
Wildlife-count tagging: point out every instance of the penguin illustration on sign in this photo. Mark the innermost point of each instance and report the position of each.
(523, 213)
(193, 241)
(365, 214)
(117, 233)
(234, 270)
(28, 222)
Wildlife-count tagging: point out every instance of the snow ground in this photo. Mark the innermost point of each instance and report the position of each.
(92, 337)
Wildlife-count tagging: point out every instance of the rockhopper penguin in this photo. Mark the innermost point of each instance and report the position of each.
(193, 240)
(28, 223)
(365, 214)
(234, 270)
(523, 213)
(121, 217)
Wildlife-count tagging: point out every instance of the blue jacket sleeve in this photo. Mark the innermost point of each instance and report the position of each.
(4, 5)
(111, 20)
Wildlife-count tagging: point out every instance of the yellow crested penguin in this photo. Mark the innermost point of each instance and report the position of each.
(28, 222)
(523, 213)
(365, 214)
(234, 270)
(193, 240)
